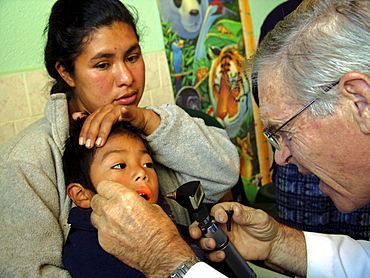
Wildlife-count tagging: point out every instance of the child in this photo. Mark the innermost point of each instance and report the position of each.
(126, 159)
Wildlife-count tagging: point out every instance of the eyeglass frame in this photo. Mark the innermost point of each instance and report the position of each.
(273, 138)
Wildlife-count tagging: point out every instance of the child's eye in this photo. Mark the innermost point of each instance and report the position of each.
(119, 166)
(149, 165)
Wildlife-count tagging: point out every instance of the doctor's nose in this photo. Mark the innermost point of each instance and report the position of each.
(282, 157)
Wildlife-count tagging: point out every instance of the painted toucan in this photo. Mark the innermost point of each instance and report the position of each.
(177, 61)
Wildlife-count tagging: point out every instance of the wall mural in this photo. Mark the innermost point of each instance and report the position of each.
(206, 42)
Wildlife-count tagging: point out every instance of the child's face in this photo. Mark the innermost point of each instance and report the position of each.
(125, 160)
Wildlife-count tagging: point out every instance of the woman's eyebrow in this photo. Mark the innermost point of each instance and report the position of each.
(104, 54)
(133, 48)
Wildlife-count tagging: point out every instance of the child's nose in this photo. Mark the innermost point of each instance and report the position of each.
(140, 174)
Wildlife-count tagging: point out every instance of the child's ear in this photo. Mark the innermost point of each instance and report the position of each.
(79, 195)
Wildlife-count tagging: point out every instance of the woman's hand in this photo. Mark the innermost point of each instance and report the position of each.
(98, 125)
(257, 236)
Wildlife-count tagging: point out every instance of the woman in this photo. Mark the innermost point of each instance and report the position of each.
(93, 53)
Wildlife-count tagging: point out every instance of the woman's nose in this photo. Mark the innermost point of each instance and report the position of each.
(123, 75)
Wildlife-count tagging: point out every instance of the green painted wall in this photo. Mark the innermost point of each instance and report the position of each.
(23, 21)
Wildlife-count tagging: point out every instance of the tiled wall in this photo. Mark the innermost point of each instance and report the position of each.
(23, 95)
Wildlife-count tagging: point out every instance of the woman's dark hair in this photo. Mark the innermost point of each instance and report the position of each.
(77, 159)
(70, 22)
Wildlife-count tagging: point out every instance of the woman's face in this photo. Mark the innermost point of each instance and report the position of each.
(110, 70)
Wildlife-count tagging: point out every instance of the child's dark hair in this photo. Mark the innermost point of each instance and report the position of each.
(77, 159)
(70, 23)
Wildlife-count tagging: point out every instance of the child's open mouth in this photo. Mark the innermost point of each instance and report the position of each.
(146, 197)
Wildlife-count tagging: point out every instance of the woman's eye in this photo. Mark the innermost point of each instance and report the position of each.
(133, 58)
(102, 66)
(149, 165)
(119, 166)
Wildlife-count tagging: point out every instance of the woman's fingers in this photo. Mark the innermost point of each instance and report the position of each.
(98, 125)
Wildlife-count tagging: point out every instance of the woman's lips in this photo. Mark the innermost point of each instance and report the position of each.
(126, 100)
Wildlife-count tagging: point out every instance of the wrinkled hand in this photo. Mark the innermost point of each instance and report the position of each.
(98, 125)
(136, 232)
(257, 236)
(253, 232)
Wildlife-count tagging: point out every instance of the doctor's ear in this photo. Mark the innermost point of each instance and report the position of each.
(356, 87)
(79, 195)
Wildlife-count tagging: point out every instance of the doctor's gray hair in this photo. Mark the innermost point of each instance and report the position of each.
(314, 47)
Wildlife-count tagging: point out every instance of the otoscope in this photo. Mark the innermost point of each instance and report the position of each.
(190, 196)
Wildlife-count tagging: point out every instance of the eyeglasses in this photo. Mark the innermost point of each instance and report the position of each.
(273, 138)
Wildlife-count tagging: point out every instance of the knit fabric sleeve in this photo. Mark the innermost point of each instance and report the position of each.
(195, 151)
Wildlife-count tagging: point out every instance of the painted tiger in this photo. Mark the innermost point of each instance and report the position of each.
(229, 89)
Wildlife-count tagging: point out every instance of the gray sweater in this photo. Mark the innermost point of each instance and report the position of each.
(34, 205)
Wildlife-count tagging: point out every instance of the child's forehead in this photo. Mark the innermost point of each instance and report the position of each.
(125, 136)
(121, 143)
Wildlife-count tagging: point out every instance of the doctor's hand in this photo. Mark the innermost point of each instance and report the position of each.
(253, 232)
(257, 236)
(136, 232)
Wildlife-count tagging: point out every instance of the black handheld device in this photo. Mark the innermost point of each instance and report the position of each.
(190, 196)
